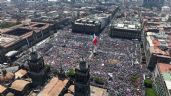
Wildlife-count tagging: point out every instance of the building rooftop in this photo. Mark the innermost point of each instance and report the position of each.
(165, 71)
(12, 35)
(18, 31)
(8, 24)
(93, 19)
(164, 67)
(6, 40)
(10, 69)
(19, 85)
(87, 21)
(8, 76)
(11, 53)
(20, 73)
(54, 87)
(157, 43)
(127, 24)
(148, 13)
(2, 89)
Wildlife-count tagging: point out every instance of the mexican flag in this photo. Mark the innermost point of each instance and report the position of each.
(94, 40)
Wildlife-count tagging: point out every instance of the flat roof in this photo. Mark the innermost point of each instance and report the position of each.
(158, 51)
(18, 31)
(165, 70)
(155, 42)
(168, 84)
(39, 25)
(54, 87)
(6, 40)
(19, 85)
(20, 73)
(9, 76)
(130, 25)
(2, 89)
(11, 53)
(13, 35)
(164, 67)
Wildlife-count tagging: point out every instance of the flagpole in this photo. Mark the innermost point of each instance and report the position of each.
(95, 49)
(95, 44)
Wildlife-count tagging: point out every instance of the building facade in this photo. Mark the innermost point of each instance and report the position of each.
(126, 29)
(156, 49)
(161, 79)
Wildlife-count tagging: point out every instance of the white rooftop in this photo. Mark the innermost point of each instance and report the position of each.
(168, 84)
(120, 25)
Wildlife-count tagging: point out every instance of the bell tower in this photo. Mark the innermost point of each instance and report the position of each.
(37, 70)
(82, 79)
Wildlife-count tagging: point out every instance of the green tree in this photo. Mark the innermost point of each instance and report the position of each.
(99, 80)
(48, 67)
(150, 92)
(148, 83)
(70, 73)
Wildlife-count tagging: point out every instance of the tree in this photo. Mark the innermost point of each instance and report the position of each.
(71, 73)
(99, 80)
(150, 92)
(47, 67)
(148, 83)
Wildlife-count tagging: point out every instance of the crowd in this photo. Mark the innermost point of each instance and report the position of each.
(117, 60)
(126, 64)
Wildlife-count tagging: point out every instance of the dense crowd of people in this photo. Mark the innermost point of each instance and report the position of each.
(117, 61)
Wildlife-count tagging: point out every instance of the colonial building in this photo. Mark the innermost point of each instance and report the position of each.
(156, 49)
(125, 29)
(91, 24)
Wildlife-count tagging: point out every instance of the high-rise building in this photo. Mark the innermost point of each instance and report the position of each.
(82, 79)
